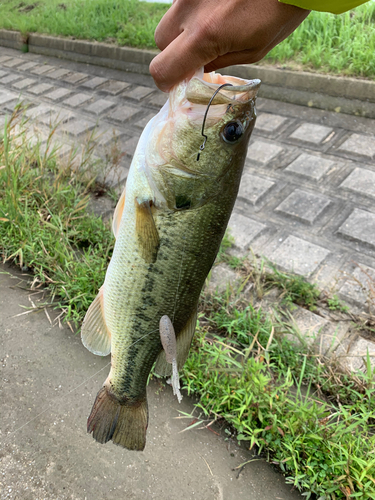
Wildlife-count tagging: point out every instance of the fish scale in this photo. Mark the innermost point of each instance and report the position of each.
(168, 224)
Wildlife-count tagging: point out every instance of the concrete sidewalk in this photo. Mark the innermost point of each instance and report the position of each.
(49, 383)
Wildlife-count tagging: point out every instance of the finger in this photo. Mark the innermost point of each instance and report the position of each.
(180, 60)
(169, 28)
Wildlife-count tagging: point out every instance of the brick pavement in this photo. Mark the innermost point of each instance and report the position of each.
(307, 198)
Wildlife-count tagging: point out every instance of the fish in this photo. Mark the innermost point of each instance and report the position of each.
(168, 223)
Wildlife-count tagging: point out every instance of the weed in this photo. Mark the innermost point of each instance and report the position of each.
(335, 304)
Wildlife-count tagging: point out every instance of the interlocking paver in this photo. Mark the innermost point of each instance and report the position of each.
(360, 226)
(42, 69)
(111, 135)
(304, 206)
(269, 122)
(4, 58)
(123, 113)
(40, 89)
(254, 188)
(244, 230)
(23, 84)
(311, 132)
(114, 87)
(144, 121)
(78, 127)
(130, 145)
(361, 181)
(58, 94)
(158, 99)
(27, 66)
(57, 116)
(94, 83)
(310, 166)
(262, 151)
(138, 93)
(11, 63)
(75, 78)
(58, 73)
(99, 107)
(3, 73)
(299, 256)
(77, 100)
(359, 285)
(6, 97)
(9, 79)
(39, 110)
(360, 144)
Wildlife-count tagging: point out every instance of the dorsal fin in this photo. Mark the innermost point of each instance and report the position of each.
(118, 213)
(94, 332)
(184, 338)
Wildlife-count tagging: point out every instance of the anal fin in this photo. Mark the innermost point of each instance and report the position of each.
(94, 332)
(148, 236)
(184, 338)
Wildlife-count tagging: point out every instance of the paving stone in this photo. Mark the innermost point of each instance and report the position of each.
(58, 94)
(4, 58)
(40, 89)
(308, 325)
(3, 73)
(75, 78)
(360, 181)
(57, 116)
(13, 62)
(110, 136)
(304, 206)
(311, 132)
(144, 121)
(332, 334)
(114, 87)
(360, 226)
(39, 110)
(360, 286)
(123, 113)
(42, 69)
(352, 354)
(94, 83)
(269, 122)
(299, 256)
(253, 189)
(138, 93)
(244, 230)
(158, 99)
(262, 151)
(115, 176)
(220, 278)
(77, 100)
(9, 79)
(6, 97)
(100, 106)
(58, 73)
(310, 166)
(360, 349)
(77, 127)
(23, 84)
(130, 145)
(360, 144)
(27, 66)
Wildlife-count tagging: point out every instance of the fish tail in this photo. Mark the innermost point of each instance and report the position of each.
(123, 422)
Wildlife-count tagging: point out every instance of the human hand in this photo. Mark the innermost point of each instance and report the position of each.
(218, 33)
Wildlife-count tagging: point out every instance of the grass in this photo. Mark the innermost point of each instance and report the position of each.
(342, 44)
(286, 403)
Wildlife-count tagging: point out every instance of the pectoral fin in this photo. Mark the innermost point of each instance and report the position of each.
(94, 332)
(118, 214)
(184, 338)
(147, 233)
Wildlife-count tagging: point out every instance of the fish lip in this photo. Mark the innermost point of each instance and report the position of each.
(251, 85)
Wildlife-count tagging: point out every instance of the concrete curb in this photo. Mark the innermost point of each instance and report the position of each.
(346, 95)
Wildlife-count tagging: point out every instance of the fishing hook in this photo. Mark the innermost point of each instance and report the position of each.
(202, 146)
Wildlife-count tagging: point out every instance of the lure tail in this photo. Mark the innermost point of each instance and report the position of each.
(123, 422)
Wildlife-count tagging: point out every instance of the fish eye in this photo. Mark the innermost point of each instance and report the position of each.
(232, 132)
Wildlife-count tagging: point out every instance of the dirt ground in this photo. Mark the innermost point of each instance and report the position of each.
(48, 384)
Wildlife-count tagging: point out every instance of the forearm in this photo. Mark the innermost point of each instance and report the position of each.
(334, 6)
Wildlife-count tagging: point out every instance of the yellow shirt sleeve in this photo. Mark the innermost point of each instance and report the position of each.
(334, 6)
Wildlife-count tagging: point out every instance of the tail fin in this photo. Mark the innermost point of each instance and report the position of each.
(124, 423)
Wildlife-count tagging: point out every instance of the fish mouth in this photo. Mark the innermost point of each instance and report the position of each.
(201, 88)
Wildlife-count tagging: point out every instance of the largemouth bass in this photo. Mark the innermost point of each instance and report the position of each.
(168, 224)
